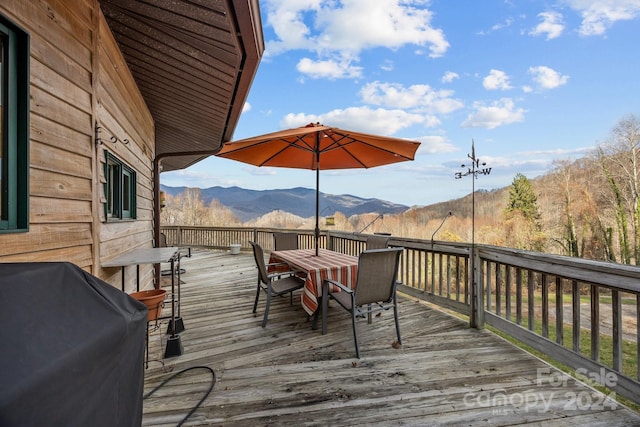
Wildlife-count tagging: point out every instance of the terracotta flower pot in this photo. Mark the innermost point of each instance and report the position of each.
(153, 299)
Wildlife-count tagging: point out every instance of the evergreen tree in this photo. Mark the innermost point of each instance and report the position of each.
(523, 200)
(523, 226)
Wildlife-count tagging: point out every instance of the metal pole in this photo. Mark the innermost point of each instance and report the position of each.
(474, 283)
(317, 230)
(475, 301)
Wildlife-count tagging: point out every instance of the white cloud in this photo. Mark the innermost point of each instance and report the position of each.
(598, 15)
(328, 69)
(379, 121)
(421, 97)
(449, 76)
(508, 166)
(387, 65)
(246, 107)
(344, 29)
(362, 24)
(194, 178)
(435, 144)
(547, 78)
(551, 25)
(559, 152)
(507, 23)
(496, 80)
(261, 171)
(497, 27)
(498, 113)
(431, 121)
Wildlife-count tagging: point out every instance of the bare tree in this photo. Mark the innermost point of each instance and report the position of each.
(620, 164)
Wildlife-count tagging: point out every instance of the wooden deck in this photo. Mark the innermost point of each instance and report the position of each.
(288, 374)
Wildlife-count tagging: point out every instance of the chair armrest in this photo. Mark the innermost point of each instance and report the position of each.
(277, 264)
(338, 285)
(286, 273)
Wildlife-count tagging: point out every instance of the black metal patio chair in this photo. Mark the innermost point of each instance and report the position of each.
(276, 284)
(375, 289)
(285, 241)
(377, 242)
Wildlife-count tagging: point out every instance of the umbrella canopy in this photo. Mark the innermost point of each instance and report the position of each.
(317, 147)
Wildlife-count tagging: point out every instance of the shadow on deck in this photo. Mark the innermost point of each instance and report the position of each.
(287, 374)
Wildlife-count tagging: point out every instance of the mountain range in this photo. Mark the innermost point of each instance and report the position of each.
(251, 204)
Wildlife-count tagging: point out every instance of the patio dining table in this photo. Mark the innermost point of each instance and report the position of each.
(326, 265)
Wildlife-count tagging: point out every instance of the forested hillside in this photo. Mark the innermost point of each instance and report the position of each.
(587, 208)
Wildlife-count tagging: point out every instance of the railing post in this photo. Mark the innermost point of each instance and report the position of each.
(329, 241)
(476, 285)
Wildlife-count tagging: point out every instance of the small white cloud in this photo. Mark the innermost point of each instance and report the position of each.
(328, 69)
(449, 76)
(435, 144)
(497, 27)
(507, 23)
(551, 25)
(559, 152)
(547, 78)
(246, 107)
(387, 65)
(380, 121)
(496, 80)
(598, 15)
(527, 89)
(431, 121)
(421, 97)
(261, 171)
(498, 113)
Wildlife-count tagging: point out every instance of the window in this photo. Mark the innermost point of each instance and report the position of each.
(120, 189)
(14, 128)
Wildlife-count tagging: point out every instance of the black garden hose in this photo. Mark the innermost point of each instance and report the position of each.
(213, 382)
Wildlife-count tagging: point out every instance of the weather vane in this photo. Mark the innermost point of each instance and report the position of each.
(474, 170)
(475, 165)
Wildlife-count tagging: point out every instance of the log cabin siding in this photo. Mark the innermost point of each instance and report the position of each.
(121, 112)
(79, 78)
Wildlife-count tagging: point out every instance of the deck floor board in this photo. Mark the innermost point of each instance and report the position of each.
(445, 373)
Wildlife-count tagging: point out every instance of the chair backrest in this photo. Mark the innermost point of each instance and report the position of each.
(163, 240)
(377, 275)
(285, 241)
(258, 255)
(377, 242)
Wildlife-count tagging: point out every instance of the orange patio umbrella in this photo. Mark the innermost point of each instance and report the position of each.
(317, 147)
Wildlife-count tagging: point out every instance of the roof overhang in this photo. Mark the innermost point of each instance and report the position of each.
(194, 62)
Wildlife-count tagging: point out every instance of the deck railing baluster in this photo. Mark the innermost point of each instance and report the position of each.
(575, 301)
(498, 289)
(559, 311)
(518, 296)
(595, 323)
(545, 305)
(616, 314)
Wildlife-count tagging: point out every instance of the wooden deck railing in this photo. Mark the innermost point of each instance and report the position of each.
(584, 314)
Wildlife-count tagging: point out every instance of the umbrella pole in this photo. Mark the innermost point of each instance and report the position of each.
(317, 231)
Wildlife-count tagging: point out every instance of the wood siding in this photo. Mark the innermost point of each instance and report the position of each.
(78, 78)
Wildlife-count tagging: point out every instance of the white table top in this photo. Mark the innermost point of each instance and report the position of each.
(143, 256)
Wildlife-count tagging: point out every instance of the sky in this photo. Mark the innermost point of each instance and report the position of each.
(527, 82)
